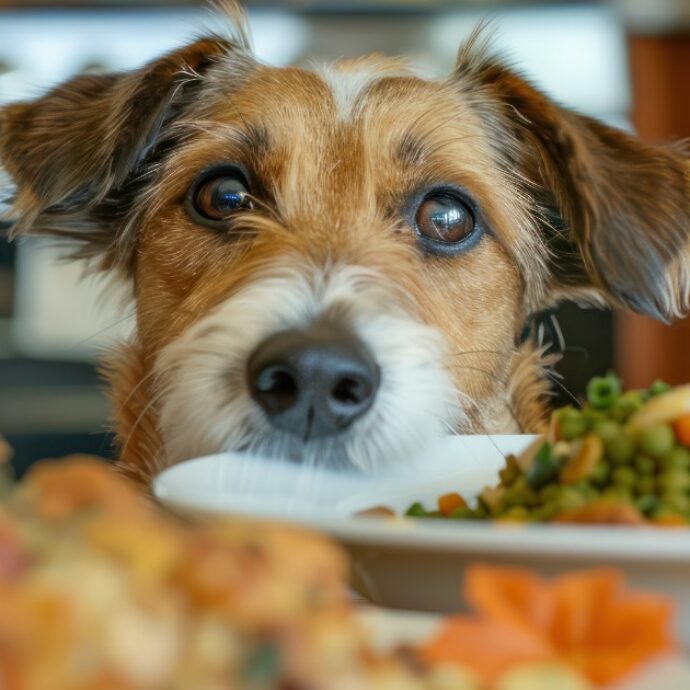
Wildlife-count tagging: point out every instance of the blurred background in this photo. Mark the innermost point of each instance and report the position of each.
(624, 61)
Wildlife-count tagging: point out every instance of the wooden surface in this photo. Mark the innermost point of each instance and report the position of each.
(660, 71)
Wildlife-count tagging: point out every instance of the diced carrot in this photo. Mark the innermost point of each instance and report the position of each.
(682, 429)
(449, 503)
(603, 512)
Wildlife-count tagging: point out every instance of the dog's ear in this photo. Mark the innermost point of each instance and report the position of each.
(614, 212)
(72, 154)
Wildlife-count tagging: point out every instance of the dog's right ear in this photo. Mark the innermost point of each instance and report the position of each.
(71, 155)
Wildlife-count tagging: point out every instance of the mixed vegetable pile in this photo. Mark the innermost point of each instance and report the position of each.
(623, 458)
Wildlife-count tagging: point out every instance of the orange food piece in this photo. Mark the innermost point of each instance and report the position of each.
(590, 451)
(603, 512)
(489, 647)
(59, 490)
(587, 620)
(670, 521)
(449, 503)
(681, 427)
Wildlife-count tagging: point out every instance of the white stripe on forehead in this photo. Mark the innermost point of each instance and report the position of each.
(349, 79)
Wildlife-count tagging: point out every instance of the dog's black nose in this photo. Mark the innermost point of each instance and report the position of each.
(313, 383)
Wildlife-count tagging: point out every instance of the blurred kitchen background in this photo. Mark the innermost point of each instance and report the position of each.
(627, 62)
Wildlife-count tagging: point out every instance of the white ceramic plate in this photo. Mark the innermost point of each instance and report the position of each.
(418, 564)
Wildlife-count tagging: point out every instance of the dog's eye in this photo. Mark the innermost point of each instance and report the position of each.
(444, 218)
(219, 195)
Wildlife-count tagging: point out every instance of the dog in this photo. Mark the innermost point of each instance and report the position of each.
(336, 265)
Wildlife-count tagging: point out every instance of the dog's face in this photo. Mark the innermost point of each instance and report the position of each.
(339, 263)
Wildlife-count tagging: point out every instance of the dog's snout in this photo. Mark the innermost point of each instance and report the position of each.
(313, 383)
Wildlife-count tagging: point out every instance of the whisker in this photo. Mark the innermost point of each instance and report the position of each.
(117, 322)
(494, 377)
(554, 378)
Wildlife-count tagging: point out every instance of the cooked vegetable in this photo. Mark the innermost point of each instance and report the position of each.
(450, 503)
(622, 458)
(603, 392)
(681, 428)
(587, 623)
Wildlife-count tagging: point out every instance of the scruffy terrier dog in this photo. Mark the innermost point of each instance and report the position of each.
(336, 265)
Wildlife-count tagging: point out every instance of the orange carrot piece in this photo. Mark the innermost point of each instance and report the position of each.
(488, 647)
(586, 620)
(682, 429)
(603, 512)
(449, 503)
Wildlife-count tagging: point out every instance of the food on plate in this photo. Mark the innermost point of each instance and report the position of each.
(100, 590)
(529, 633)
(624, 458)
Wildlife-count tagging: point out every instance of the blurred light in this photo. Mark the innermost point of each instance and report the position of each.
(40, 49)
(574, 53)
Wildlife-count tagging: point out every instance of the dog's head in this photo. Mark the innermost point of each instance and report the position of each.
(341, 261)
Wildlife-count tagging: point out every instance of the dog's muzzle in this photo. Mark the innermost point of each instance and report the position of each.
(313, 383)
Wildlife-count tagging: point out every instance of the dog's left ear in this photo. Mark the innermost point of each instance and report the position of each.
(74, 156)
(614, 212)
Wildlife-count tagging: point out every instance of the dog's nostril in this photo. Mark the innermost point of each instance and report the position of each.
(351, 391)
(277, 387)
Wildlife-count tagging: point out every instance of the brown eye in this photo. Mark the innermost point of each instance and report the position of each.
(219, 195)
(444, 218)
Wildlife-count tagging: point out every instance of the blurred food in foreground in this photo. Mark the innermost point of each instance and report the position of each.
(101, 590)
(534, 633)
(624, 458)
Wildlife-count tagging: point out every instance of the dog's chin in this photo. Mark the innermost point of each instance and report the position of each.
(320, 453)
(372, 446)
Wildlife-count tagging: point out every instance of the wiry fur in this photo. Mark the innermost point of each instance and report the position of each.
(337, 159)
(201, 378)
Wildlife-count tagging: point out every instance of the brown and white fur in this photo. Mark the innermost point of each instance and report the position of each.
(573, 210)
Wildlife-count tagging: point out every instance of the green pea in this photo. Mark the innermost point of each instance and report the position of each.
(620, 449)
(520, 496)
(647, 503)
(463, 513)
(677, 458)
(645, 464)
(416, 510)
(658, 387)
(646, 484)
(546, 512)
(550, 492)
(571, 424)
(517, 513)
(618, 493)
(657, 440)
(674, 480)
(602, 392)
(624, 476)
(676, 501)
(571, 499)
(663, 511)
(607, 429)
(626, 405)
(593, 417)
